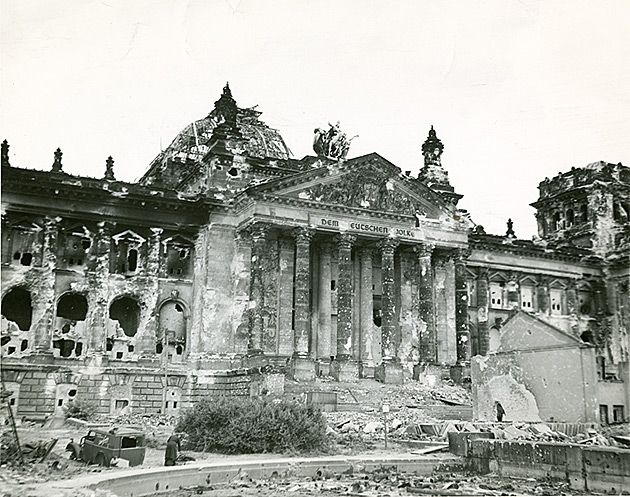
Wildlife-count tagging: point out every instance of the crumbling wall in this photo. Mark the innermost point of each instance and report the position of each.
(498, 381)
(553, 385)
(219, 273)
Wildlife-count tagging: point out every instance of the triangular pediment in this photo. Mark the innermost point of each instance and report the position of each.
(369, 183)
(524, 332)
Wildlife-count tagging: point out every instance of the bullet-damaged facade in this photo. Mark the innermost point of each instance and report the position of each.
(230, 263)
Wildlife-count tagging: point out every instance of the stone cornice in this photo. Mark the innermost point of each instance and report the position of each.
(524, 247)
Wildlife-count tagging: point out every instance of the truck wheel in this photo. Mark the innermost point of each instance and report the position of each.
(101, 460)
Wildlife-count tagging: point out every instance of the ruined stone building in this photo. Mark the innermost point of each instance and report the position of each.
(231, 262)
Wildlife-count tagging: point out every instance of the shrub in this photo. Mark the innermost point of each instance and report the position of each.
(80, 409)
(233, 425)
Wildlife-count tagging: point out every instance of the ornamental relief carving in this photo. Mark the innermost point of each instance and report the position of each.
(370, 191)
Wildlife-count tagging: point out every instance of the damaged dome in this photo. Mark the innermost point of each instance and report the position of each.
(260, 140)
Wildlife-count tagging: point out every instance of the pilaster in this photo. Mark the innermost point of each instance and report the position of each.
(98, 297)
(259, 238)
(42, 338)
(482, 311)
(461, 308)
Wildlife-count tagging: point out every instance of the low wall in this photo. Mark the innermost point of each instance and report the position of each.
(149, 481)
(585, 468)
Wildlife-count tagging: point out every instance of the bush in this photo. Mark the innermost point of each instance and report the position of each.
(80, 409)
(232, 425)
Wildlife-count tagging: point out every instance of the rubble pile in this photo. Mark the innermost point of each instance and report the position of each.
(156, 427)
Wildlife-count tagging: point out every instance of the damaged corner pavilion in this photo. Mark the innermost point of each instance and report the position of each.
(231, 264)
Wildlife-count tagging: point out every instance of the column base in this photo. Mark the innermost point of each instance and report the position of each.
(366, 370)
(302, 368)
(97, 360)
(390, 373)
(42, 357)
(322, 367)
(460, 373)
(345, 371)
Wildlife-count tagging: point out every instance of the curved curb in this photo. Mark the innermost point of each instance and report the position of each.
(138, 483)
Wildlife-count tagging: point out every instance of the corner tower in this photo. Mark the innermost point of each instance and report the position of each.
(588, 207)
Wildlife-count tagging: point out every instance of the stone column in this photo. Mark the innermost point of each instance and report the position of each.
(428, 347)
(323, 340)
(286, 340)
(259, 238)
(343, 368)
(44, 294)
(303, 367)
(461, 308)
(482, 311)
(367, 315)
(390, 370)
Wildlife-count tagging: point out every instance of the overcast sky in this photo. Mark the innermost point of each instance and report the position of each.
(517, 90)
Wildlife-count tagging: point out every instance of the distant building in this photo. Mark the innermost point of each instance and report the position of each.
(231, 261)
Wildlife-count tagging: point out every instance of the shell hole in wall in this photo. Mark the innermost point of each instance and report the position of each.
(72, 306)
(16, 307)
(65, 346)
(126, 311)
(233, 172)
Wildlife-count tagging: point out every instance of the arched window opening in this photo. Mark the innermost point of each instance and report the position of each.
(555, 222)
(70, 324)
(583, 213)
(171, 331)
(17, 308)
(126, 312)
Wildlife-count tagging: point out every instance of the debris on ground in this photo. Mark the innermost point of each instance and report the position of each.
(382, 481)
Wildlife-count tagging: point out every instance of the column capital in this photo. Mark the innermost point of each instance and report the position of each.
(345, 240)
(388, 244)
(461, 254)
(258, 231)
(106, 227)
(285, 243)
(303, 234)
(424, 249)
(483, 273)
(365, 254)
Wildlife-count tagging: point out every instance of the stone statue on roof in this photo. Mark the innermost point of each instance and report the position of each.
(331, 143)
